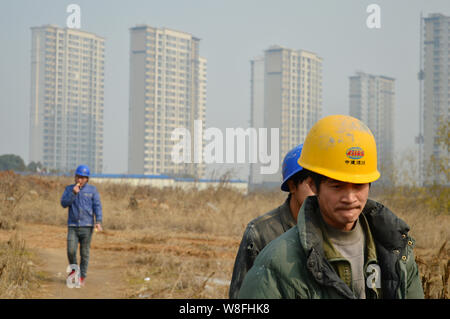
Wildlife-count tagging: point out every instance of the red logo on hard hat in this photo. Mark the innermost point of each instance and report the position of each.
(355, 153)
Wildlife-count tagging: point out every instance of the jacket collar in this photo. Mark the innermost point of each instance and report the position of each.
(287, 220)
(308, 225)
(311, 239)
(387, 230)
(332, 254)
(390, 235)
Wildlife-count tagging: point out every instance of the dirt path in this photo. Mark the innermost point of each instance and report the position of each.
(104, 279)
(111, 255)
(102, 282)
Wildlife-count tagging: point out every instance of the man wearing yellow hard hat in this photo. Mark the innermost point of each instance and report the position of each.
(344, 245)
(265, 228)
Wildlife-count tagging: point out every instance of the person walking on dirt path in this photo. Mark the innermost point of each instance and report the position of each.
(265, 228)
(344, 244)
(85, 215)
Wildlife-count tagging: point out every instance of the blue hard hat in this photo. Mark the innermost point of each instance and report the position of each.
(82, 170)
(291, 166)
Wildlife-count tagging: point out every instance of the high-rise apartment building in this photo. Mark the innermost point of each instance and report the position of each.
(372, 100)
(256, 109)
(287, 89)
(167, 91)
(67, 98)
(436, 98)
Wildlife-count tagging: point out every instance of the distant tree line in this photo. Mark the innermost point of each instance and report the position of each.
(15, 163)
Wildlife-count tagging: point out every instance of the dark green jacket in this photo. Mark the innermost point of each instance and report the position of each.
(295, 266)
(258, 233)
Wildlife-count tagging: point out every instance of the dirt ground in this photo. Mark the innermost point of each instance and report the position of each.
(170, 243)
(111, 254)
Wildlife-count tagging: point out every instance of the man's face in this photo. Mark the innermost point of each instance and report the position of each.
(298, 195)
(341, 203)
(301, 191)
(81, 179)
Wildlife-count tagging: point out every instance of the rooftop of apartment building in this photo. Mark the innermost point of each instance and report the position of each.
(276, 47)
(361, 73)
(145, 26)
(435, 16)
(54, 26)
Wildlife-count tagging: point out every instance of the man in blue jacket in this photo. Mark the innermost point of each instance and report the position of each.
(84, 203)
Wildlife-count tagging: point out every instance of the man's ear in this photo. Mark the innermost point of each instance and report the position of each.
(311, 184)
(291, 186)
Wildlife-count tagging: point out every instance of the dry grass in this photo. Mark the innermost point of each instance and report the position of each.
(435, 274)
(17, 275)
(426, 211)
(175, 277)
(185, 241)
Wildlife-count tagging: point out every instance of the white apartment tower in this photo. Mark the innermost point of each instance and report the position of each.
(372, 100)
(286, 94)
(167, 91)
(436, 98)
(67, 96)
(256, 109)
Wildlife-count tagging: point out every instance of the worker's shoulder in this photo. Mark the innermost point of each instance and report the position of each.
(380, 215)
(287, 244)
(90, 188)
(269, 217)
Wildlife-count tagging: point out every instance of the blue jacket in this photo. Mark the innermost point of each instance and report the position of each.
(83, 206)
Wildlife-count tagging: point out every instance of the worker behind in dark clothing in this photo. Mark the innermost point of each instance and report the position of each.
(265, 228)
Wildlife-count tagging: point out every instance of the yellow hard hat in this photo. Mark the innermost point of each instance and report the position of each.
(343, 148)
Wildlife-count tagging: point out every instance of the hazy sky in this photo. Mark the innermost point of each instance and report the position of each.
(232, 33)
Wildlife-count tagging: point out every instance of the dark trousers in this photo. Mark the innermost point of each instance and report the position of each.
(81, 235)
